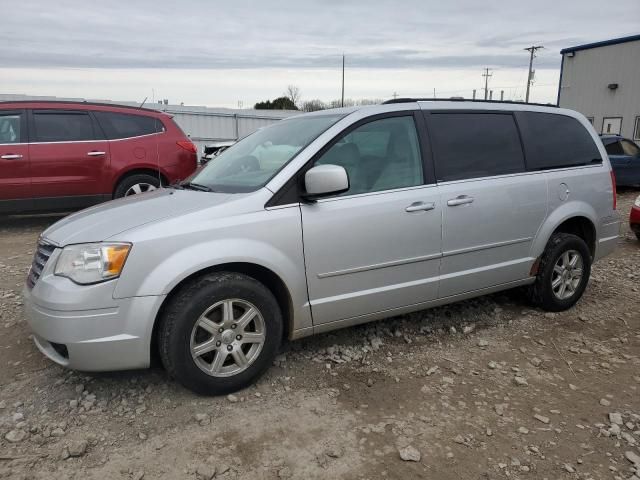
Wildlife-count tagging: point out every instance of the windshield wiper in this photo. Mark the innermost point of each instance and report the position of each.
(196, 186)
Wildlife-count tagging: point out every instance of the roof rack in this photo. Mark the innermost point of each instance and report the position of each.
(84, 102)
(509, 102)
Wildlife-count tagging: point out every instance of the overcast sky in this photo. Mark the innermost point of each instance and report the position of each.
(223, 52)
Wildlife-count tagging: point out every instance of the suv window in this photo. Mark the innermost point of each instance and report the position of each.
(125, 125)
(556, 141)
(614, 148)
(630, 148)
(380, 155)
(10, 128)
(62, 126)
(474, 145)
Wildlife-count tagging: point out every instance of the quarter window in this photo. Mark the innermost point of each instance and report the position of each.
(379, 155)
(124, 125)
(473, 145)
(10, 128)
(62, 126)
(556, 141)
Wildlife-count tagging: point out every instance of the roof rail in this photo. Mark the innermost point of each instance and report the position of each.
(84, 102)
(509, 102)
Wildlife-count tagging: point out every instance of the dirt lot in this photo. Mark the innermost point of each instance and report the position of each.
(487, 388)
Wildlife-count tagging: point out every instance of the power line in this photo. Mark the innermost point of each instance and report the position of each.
(532, 50)
(486, 76)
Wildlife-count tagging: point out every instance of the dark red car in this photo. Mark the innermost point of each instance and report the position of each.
(634, 218)
(68, 155)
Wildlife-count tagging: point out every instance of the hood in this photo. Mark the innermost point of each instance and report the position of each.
(98, 223)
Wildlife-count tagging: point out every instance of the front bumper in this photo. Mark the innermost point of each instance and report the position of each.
(85, 328)
(634, 220)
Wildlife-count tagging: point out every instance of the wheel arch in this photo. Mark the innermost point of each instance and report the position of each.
(264, 275)
(576, 218)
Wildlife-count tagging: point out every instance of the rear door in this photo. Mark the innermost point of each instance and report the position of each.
(620, 162)
(69, 155)
(632, 162)
(15, 183)
(377, 246)
(491, 208)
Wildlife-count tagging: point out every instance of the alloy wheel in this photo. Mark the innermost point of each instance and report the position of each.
(567, 274)
(139, 188)
(227, 338)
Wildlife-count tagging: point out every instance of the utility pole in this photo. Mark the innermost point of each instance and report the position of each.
(342, 102)
(474, 93)
(486, 76)
(532, 50)
(395, 95)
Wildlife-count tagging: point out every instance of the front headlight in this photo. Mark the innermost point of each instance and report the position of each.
(92, 262)
(637, 202)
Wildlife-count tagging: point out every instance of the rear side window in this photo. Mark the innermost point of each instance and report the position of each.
(614, 148)
(556, 141)
(10, 128)
(124, 125)
(630, 148)
(473, 145)
(62, 126)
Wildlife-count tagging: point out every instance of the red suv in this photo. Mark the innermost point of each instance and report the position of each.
(69, 155)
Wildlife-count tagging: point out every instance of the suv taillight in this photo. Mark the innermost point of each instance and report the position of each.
(188, 145)
(615, 195)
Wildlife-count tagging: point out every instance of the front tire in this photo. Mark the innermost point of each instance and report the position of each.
(220, 333)
(563, 273)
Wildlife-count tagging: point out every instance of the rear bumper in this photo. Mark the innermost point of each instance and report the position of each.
(103, 339)
(608, 236)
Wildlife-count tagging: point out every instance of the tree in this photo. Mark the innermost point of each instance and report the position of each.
(280, 103)
(293, 94)
(314, 105)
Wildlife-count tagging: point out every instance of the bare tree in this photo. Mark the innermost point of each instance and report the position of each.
(314, 105)
(293, 94)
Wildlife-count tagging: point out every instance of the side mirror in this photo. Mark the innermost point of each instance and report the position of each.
(323, 180)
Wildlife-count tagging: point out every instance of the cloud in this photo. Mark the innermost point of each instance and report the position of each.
(294, 34)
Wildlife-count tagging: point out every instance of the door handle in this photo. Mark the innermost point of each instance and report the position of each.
(420, 206)
(96, 154)
(461, 200)
(11, 156)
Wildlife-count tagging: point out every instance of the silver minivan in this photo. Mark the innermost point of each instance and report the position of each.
(323, 221)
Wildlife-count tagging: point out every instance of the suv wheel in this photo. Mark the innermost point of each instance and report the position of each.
(563, 274)
(220, 333)
(135, 184)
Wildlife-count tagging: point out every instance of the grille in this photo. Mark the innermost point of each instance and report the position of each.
(40, 258)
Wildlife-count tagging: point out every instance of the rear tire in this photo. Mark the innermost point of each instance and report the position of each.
(137, 183)
(220, 333)
(563, 273)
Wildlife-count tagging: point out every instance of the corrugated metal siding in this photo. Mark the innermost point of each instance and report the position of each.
(585, 80)
(202, 124)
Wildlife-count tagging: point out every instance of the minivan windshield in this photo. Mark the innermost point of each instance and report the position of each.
(254, 160)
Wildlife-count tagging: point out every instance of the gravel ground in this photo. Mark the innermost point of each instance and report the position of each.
(487, 388)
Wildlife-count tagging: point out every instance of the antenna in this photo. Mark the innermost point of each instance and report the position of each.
(143, 102)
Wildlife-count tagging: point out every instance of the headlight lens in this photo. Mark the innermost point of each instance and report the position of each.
(637, 202)
(92, 262)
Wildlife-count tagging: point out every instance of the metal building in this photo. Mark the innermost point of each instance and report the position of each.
(203, 124)
(602, 81)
